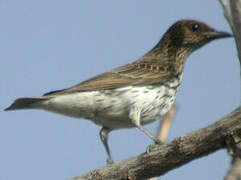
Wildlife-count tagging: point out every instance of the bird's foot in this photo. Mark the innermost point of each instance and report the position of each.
(153, 147)
(109, 161)
(158, 142)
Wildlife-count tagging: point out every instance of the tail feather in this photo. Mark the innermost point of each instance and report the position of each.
(23, 103)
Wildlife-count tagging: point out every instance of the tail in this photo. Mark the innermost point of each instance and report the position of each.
(23, 103)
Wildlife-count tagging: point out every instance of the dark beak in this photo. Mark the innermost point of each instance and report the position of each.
(217, 35)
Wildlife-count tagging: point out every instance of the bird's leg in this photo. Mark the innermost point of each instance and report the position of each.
(104, 138)
(135, 118)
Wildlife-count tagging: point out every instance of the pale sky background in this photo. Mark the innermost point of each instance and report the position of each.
(48, 45)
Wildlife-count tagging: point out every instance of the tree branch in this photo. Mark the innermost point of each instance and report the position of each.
(235, 170)
(233, 17)
(226, 13)
(180, 151)
(234, 147)
(235, 6)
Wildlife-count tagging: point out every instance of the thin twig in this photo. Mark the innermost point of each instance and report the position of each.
(226, 13)
(235, 6)
(165, 124)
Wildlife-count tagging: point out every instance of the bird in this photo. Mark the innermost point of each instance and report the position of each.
(132, 95)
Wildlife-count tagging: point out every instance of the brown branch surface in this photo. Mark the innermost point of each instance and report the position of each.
(169, 156)
(234, 172)
(234, 148)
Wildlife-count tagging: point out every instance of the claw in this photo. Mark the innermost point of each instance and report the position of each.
(153, 147)
(159, 142)
(109, 162)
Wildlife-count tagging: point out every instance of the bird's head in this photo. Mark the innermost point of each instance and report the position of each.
(188, 35)
(194, 34)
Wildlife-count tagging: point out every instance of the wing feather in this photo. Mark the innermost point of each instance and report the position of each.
(144, 73)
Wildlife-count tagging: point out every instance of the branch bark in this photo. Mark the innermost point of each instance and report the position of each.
(234, 147)
(180, 151)
(234, 172)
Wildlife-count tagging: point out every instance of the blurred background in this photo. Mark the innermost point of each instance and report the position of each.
(49, 45)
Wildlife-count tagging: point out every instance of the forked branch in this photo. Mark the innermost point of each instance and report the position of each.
(169, 156)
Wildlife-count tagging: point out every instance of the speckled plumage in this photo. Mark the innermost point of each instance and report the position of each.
(134, 94)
